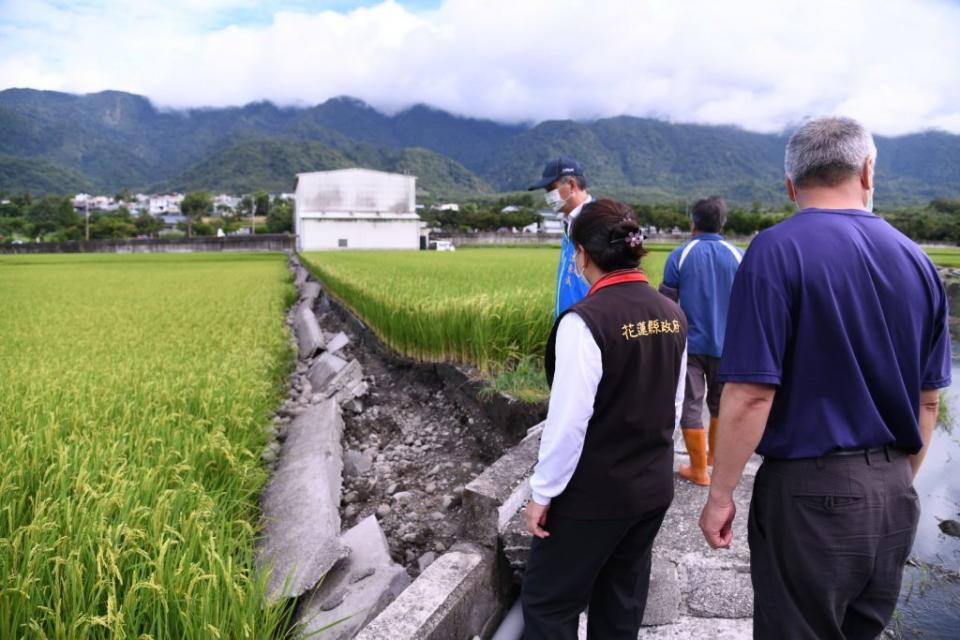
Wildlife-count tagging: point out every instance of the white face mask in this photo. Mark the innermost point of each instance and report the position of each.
(869, 205)
(554, 200)
(578, 271)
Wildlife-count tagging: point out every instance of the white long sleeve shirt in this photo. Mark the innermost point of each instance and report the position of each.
(579, 367)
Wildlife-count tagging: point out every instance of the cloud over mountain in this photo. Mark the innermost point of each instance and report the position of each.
(758, 64)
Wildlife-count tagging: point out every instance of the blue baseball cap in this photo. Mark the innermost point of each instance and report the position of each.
(562, 167)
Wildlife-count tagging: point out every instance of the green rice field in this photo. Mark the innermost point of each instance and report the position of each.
(133, 393)
(944, 256)
(487, 307)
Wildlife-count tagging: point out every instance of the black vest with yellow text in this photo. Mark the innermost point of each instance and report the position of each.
(626, 466)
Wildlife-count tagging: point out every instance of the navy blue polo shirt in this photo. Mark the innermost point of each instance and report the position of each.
(848, 317)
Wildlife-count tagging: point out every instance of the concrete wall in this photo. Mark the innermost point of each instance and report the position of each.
(316, 235)
(263, 242)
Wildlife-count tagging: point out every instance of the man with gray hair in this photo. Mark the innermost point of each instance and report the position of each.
(836, 347)
(698, 274)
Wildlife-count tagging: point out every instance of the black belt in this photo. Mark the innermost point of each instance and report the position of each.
(843, 453)
(888, 451)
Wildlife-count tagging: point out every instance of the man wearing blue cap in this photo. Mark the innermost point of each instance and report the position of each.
(566, 193)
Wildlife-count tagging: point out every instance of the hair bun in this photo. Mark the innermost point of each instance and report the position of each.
(610, 234)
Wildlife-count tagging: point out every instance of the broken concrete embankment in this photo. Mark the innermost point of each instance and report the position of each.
(336, 576)
(469, 549)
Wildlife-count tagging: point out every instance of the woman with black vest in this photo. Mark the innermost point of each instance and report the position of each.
(604, 478)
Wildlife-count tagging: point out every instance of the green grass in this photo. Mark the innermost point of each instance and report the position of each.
(525, 380)
(133, 392)
(491, 308)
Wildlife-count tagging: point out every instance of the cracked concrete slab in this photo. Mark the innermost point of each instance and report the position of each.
(347, 384)
(300, 504)
(451, 599)
(300, 275)
(356, 589)
(324, 369)
(307, 330)
(493, 499)
(337, 342)
(309, 292)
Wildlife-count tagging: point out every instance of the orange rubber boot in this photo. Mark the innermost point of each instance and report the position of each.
(712, 441)
(696, 471)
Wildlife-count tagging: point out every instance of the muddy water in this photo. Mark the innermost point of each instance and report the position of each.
(929, 605)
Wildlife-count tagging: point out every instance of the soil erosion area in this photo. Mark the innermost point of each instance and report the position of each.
(411, 444)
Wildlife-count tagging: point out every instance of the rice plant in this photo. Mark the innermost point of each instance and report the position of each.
(133, 393)
(487, 307)
(944, 256)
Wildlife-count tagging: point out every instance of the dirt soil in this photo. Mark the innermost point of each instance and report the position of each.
(409, 446)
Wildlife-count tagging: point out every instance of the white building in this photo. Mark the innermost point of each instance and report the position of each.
(550, 222)
(224, 201)
(87, 202)
(162, 205)
(355, 209)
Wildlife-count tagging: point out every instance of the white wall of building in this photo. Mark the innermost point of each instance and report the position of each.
(323, 234)
(356, 209)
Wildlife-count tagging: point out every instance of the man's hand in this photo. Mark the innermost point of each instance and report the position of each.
(716, 521)
(929, 408)
(744, 409)
(536, 518)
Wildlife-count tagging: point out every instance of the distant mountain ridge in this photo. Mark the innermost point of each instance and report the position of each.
(57, 142)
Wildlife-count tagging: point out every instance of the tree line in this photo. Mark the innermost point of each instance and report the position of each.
(54, 218)
(936, 221)
(663, 217)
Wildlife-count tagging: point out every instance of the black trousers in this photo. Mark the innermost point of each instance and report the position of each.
(601, 563)
(828, 541)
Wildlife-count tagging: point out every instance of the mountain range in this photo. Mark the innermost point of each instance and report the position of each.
(53, 142)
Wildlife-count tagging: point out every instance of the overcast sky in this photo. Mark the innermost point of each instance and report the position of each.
(760, 64)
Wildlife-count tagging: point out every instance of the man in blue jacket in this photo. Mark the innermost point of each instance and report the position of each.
(699, 275)
(566, 193)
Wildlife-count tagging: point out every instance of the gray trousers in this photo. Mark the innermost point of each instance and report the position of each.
(701, 381)
(828, 541)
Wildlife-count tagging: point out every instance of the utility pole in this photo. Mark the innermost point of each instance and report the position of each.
(86, 209)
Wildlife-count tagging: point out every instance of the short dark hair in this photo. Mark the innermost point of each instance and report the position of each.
(709, 214)
(608, 231)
